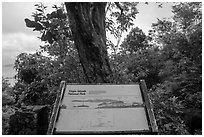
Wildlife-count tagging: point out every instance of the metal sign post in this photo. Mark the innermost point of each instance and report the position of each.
(102, 109)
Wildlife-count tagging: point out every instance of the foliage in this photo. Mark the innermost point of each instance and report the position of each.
(5, 84)
(119, 21)
(135, 40)
(170, 63)
(137, 59)
(56, 32)
(167, 109)
(146, 64)
(48, 73)
(7, 111)
(184, 54)
(181, 70)
(65, 30)
(8, 99)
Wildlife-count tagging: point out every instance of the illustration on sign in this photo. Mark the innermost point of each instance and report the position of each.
(105, 102)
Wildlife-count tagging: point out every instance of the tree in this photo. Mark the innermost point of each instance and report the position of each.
(38, 75)
(136, 59)
(135, 40)
(86, 26)
(87, 22)
(181, 72)
(8, 97)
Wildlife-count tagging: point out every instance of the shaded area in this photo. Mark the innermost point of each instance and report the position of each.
(31, 121)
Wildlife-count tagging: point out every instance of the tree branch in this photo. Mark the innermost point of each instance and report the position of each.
(119, 6)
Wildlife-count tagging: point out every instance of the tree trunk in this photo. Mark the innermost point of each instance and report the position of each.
(87, 23)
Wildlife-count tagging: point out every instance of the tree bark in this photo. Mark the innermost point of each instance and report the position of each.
(87, 23)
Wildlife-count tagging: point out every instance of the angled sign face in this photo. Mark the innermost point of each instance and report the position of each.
(102, 109)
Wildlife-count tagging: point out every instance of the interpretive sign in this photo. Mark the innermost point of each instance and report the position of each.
(102, 109)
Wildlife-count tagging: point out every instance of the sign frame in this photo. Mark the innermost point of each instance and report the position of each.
(147, 103)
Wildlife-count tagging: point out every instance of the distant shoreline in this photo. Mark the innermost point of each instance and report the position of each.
(8, 65)
(8, 73)
(8, 77)
(11, 81)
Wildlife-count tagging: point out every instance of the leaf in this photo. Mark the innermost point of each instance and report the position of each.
(43, 37)
(59, 12)
(46, 24)
(38, 27)
(54, 6)
(37, 18)
(29, 23)
(49, 37)
(40, 10)
(54, 14)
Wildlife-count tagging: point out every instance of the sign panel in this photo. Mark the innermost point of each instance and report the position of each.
(102, 108)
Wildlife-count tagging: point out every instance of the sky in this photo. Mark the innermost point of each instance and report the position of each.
(17, 38)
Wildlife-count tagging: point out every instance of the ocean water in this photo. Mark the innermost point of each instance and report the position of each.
(9, 72)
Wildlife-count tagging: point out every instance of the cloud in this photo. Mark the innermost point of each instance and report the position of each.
(15, 43)
(14, 13)
(16, 37)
